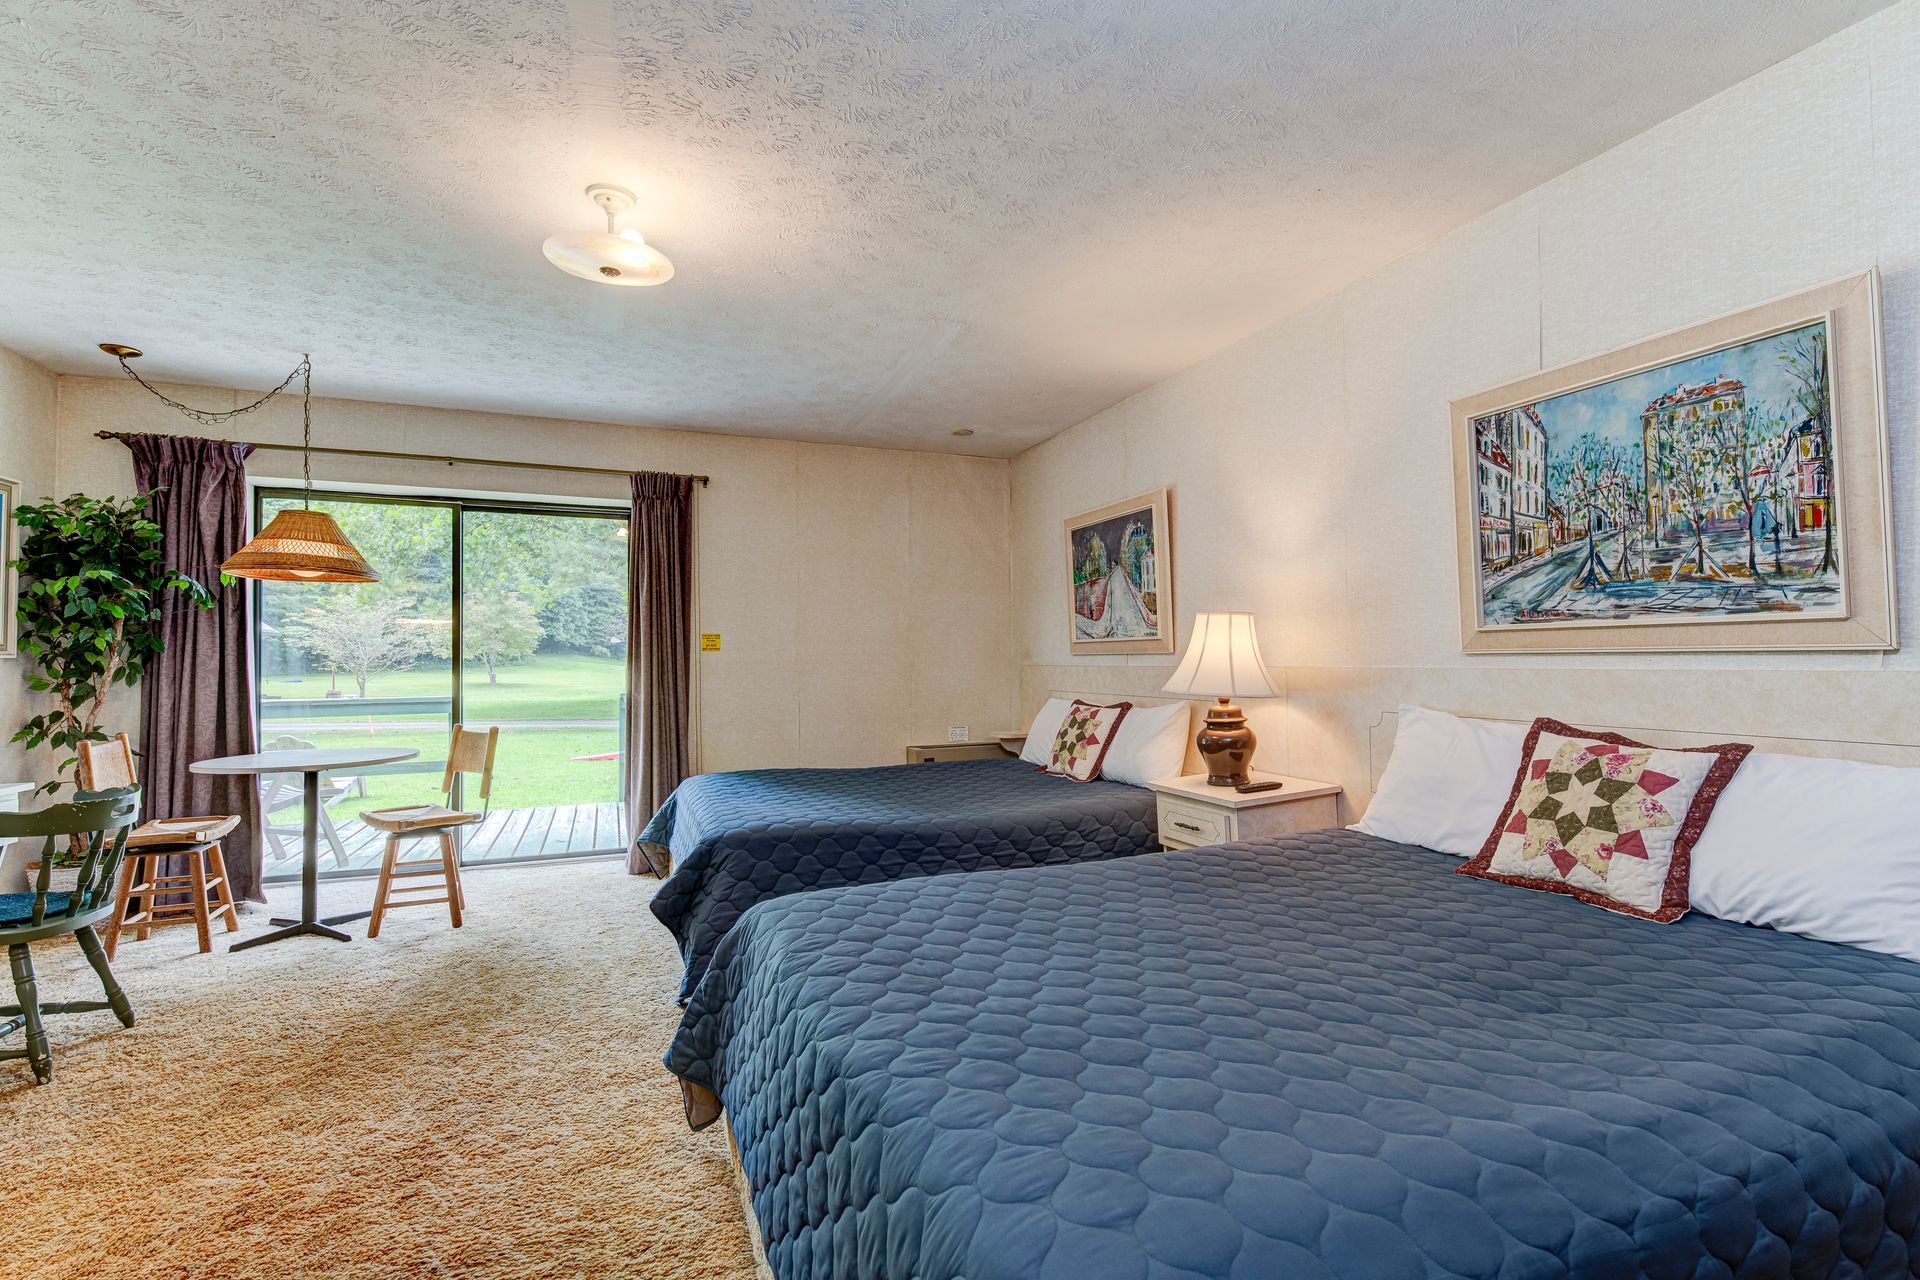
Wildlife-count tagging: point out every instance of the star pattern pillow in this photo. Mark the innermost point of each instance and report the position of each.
(1606, 819)
(1083, 740)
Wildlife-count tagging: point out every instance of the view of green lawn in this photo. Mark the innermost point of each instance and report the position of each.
(547, 686)
(533, 767)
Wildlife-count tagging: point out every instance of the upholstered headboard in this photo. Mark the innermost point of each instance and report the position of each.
(1380, 743)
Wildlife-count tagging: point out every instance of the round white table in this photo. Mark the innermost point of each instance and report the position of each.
(310, 763)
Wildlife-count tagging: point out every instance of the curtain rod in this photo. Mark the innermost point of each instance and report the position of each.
(449, 459)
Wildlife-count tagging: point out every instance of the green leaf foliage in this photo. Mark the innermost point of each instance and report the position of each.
(93, 591)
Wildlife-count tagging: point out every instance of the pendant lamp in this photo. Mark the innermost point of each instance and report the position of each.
(301, 545)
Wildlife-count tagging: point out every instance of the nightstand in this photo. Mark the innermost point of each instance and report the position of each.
(1191, 813)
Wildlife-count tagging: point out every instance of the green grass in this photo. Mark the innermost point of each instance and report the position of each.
(532, 768)
(559, 686)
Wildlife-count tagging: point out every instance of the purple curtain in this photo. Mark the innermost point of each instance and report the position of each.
(195, 701)
(659, 653)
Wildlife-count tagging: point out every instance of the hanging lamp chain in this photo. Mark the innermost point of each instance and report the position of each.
(306, 431)
(214, 417)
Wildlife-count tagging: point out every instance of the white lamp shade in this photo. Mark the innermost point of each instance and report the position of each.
(1222, 660)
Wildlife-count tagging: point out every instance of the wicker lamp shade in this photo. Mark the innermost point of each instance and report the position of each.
(296, 546)
(300, 545)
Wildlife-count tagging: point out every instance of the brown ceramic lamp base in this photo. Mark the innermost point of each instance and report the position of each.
(1226, 745)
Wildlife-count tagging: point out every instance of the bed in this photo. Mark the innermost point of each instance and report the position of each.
(1320, 1056)
(737, 839)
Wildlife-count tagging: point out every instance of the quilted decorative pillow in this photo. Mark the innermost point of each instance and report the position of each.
(1083, 740)
(1606, 819)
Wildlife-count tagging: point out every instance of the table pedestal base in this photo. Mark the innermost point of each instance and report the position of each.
(306, 924)
(348, 918)
(299, 928)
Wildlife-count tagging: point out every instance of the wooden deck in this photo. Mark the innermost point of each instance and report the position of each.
(506, 833)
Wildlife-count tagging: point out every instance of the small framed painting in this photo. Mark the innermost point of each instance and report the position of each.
(1724, 487)
(1120, 577)
(9, 552)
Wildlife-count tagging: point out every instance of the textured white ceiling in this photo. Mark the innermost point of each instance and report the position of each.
(890, 218)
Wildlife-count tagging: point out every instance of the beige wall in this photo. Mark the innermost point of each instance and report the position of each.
(1311, 463)
(26, 455)
(861, 594)
(864, 594)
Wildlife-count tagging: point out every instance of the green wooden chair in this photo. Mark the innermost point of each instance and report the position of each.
(101, 825)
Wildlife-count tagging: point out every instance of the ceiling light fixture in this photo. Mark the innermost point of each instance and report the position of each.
(610, 256)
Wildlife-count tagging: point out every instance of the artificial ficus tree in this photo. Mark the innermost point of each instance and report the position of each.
(93, 587)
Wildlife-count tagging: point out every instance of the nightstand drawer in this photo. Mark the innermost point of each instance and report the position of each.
(1191, 823)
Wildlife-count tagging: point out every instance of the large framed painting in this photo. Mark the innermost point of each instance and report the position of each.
(9, 552)
(1723, 487)
(1120, 577)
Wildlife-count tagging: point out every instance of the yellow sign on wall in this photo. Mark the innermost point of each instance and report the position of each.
(709, 642)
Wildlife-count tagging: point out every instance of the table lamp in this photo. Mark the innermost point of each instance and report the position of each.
(1223, 661)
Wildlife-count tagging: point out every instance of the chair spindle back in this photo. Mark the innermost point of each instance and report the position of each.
(99, 827)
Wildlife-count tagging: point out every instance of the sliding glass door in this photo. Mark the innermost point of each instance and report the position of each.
(486, 614)
(543, 642)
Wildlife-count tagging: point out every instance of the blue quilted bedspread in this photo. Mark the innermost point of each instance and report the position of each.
(741, 838)
(1325, 1056)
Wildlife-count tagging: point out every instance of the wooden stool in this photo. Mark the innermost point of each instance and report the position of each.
(471, 751)
(106, 767)
(204, 884)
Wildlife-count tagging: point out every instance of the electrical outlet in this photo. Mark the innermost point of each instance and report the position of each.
(956, 733)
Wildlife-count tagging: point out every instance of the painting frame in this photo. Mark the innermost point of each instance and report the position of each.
(1861, 486)
(9, 576)
(1153, 504)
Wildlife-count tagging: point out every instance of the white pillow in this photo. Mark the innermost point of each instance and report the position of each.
(1447, 782)
(1038, 748)
(1828, 848)
(1151, 742)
